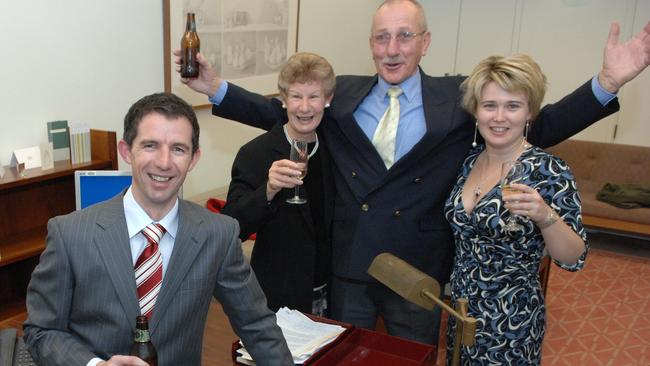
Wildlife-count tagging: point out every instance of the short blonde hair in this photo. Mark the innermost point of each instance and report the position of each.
(516, 73)
(304, 67)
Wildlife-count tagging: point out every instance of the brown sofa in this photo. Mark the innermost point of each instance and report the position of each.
(597, 163)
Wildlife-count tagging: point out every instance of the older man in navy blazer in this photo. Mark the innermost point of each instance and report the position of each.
(398, 207)
(83, 299)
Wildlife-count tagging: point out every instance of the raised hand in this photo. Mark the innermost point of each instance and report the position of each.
(622, 62)
(207, 82)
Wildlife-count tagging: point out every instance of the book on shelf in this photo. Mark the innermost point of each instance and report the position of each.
(59, 135)
(304, 336)
(79, 143)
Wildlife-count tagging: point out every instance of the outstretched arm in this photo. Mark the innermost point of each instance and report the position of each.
(622, 62)
(238, 104)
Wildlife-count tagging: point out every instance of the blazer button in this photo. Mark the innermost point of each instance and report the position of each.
(417, 180)
(354, 174)
(365, 207)
(397, 213)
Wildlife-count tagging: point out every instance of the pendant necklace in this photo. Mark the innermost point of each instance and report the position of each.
(478, 189)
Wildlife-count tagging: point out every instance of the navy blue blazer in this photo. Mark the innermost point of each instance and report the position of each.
(400, 210)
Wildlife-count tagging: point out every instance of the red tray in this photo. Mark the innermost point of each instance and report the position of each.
(357, 346)
(366, 347)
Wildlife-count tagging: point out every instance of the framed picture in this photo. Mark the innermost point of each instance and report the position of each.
(245, 41)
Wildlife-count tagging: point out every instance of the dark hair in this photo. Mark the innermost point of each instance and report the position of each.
(167, 104)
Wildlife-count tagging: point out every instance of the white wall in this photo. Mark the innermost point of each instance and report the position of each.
(80, 60)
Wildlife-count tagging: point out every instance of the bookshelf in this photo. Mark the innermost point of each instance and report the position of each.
(27, 202)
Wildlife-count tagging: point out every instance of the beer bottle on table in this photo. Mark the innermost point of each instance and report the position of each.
(190, 46)
(142, 346)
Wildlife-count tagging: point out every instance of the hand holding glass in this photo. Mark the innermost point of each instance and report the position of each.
(511, 172)
(299, 154)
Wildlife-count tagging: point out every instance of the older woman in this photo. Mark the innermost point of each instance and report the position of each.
(291, 255)
(497, 269)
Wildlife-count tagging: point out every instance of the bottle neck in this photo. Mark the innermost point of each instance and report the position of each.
(142, 336)
(142, 329)
(190, 26)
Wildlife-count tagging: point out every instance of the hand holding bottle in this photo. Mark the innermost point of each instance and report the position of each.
(207, 82)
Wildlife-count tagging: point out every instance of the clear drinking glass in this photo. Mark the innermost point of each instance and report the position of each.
(511, 172)
(299, 154)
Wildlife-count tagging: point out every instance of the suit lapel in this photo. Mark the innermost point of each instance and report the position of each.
(439, 106)
(188, 243)
(343, 116)
(279, 144)
(112, 242)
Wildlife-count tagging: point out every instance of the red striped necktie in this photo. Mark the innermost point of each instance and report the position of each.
(148, 269)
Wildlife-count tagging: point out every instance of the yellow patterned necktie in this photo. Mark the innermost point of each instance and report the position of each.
(386, 132)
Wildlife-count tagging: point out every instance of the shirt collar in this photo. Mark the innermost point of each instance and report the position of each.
(137, 219)
(410, 87)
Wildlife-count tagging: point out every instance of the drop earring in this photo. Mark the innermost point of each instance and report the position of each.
(475, 132)
(327, 105)
(526, 131)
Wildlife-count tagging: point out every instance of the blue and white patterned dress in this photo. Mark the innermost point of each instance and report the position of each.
(498, 273)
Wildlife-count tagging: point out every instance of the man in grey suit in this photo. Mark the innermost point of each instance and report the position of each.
(83, 299)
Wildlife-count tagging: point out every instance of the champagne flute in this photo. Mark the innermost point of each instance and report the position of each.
(299, 154)
(511, 172)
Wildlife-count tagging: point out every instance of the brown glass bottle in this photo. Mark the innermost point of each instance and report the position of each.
(190, 46)
(142, 346)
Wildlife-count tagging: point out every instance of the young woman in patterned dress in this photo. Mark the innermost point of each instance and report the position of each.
(495, 269)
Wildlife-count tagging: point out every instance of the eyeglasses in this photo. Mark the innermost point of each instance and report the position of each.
(401, 37)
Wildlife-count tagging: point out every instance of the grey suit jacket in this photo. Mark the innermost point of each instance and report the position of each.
(82, 299)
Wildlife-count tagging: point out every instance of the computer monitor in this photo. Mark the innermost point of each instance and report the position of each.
(93, 186)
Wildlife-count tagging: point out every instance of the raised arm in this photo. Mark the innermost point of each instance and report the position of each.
(553, 204)
(238, 104)
(250, 108)
(622, 62)
(573, 113)
(252, 196)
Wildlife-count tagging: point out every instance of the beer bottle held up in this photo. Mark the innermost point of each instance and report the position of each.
(142, 346)
(190, 46)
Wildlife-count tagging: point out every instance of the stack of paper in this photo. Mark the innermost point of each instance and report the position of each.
(303, 335)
